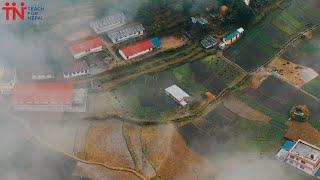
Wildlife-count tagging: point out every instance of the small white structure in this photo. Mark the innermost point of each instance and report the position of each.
(176, 93)
(8, 78)
(42, 73)
(108, 23)
(126, 32)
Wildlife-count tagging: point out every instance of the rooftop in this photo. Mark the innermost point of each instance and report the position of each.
(140, 46)
(178, 94)
(85, 44)
(306, 150)
(234, 33)
(125, 31)
(108, 21)
(42, 93)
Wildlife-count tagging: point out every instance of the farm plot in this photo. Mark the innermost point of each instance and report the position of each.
(145, 97)
(275, 98)
(306, 53)
(266, 38)
(313, 87)
(214, 73)
(223, 131)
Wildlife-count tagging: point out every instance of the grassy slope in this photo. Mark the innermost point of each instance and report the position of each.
(185, 76)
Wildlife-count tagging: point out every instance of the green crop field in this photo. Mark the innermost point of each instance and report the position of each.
(313, 87)
(267, 37)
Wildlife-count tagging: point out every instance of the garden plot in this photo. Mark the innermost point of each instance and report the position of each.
(313, 87)
(266, 38)
(223, 131)
(306, 52)
(214, 73)
(275, 98)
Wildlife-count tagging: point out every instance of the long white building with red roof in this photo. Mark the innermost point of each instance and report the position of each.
(55, 97)
(139, 48)
(85, 46)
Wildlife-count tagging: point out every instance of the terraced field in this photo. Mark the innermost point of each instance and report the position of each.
(265, 39)
(145, 97)
(223, 131)
(275, 98)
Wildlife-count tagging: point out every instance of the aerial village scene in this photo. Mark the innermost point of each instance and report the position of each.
(161, 90)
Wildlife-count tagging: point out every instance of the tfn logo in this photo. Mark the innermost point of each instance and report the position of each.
(11, 10)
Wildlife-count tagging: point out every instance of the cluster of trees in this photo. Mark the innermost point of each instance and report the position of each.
(239, 13)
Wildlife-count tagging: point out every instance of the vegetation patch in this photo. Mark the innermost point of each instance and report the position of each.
(263, 40)
(313, 87)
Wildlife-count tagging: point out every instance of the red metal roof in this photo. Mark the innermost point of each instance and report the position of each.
(85, 44)
(140, 46)
(42, 93)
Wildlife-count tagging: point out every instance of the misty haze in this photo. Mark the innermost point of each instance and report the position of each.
(160, 89)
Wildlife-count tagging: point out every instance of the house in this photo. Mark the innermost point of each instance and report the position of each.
(176, 93)
(42, 73)
(53, 97)
(232, 37)
(78, 68)
(139, 48)
(126, 32)
(85, 46)
(8, 78)
(305, 157)
(208, 42)
(108, 23)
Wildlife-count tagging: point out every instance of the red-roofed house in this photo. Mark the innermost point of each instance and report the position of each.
(57, 97)
(137, 49)
(85, 46)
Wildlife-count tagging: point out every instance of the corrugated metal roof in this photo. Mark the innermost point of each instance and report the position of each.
(125, 31)
(42, 93)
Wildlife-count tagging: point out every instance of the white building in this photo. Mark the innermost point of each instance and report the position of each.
(177, 94)
(108, 23)
(305, 157)
(42, 73)
(126, 32)
(78, 68)
(85, 46)
(8, 78)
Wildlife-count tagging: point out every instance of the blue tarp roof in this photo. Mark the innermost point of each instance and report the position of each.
(288, 145)
(317, 174)
(156, 42)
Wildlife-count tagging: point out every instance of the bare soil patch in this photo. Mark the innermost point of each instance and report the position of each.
(173, 42)
(292, 73)
(304, 131)
(243, 110)
(171, 157)
(105, 143)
